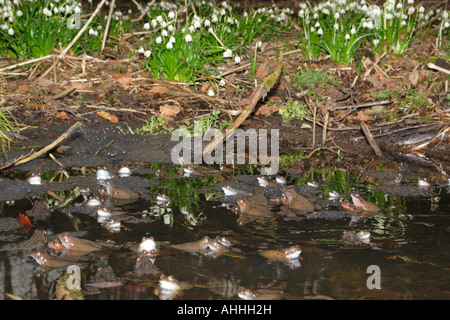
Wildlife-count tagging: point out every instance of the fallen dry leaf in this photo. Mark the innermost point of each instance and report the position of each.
(168, 110)
(78, 85)
(362, 117)
(124, 79)
(267, 110)
(160, 89)
(108, 116)
(62, 115)
(262, 71)
(23, 88)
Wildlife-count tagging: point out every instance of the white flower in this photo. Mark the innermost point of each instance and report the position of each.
(154, 23)
(188, 38)
(191, 29)
(353, 31)
(147, 26)
(211, 93)
(19, 13)
(312, 29)
(421, 9)
(158, 40)
(171, 15)
(10, 31)
(411, 10)
(446, 24)
(169, 45)
(159, 19)
(207, 23)
(376, 42)
(347, 37)
(91, 31)
(141, 50)
(227, 53)
(77, 9)
(237, 59)
(164, 33)
(172, 39)
(317, 25)
(320, 32)
(336, 26)
(222, 83)
(147, 53)
(325, 11)
(197, 24)
(170, 27)
(336, 15)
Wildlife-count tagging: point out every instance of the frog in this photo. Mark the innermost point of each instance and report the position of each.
(296, 202)
(73, 243)
(363, 204)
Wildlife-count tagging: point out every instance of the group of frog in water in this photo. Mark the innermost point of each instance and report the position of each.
(67, 249)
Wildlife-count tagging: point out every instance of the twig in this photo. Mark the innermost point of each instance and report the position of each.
(108, 22)
(370, 104)
(15, 160)
(27, 62)
(435, 67)
(371, 140)
(51, 145)
(216, 37)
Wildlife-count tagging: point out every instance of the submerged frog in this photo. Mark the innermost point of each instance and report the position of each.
(76, 244)
(363, 204)
(356, 238)
(261, 294)
(292, 252)
(47, 261)
(168, 287)
(200, 246)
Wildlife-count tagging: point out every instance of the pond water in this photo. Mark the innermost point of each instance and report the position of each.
(408, 246)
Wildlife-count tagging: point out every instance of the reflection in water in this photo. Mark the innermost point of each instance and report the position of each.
(407, 240)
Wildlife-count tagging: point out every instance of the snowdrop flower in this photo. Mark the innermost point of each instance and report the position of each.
(312, 29)
(237, 59)
(188, 38)
(19, 13)
(172, 39)
(141, 50)
(317, 25)
(197, 24)
(353, 31)
(147, 26)
(214, 18)
(170, 27)
(159, 19)
(211, 93)
(192, 29)
(446, 24)
(147, 53)
(10, 31)
(347, 37)
(207, 23)
(163, 24)
(158, 40)
(388, 16)
(164, 33)
(222, 83)
(325, 11)
(336, 26)
(421, 9)
(171, 15)
(376, 42)
(336, 15)
(169, 45)
(320, 32)
(77, 9)
(154, 23)
(227, 53)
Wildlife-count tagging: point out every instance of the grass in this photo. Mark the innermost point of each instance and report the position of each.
(293, 110)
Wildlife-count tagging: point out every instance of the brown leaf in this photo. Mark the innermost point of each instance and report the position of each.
(362, 117)
(262, 71)
(168, 110)
(160, 89)
(123, 79)
(79, 85)
(62, 115)
(23, 88)
(267, 110)
(108, 116)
